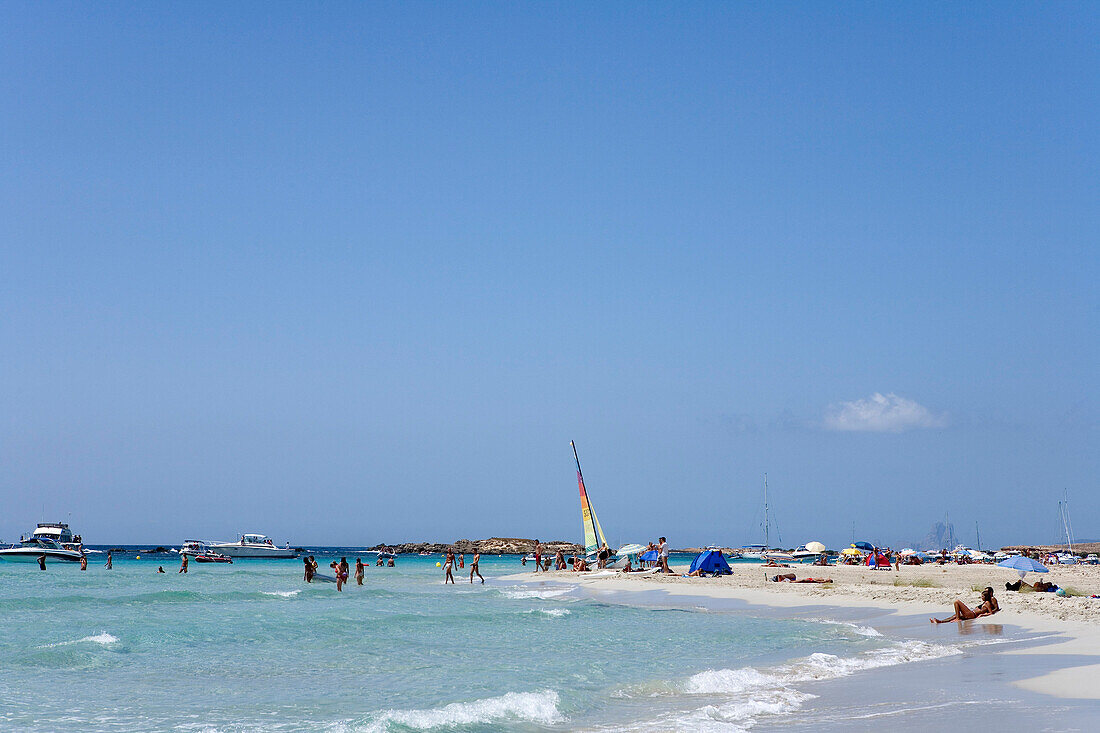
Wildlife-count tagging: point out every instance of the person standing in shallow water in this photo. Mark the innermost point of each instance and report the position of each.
(473, 566)
(183, 565)
(359, 568)
(109, 564)
(83, 562)
(345, 568)
(449, 560)
(309, 569)
(41, 562)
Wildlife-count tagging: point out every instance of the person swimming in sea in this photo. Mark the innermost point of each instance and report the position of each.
(988, 607)
(473, 567)
(389, 563)
(160, 568)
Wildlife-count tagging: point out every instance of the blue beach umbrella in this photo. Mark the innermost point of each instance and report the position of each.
(650, 556)
(1023, 565)
(865, 546)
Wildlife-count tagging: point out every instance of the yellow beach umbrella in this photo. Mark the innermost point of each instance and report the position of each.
(850, 551)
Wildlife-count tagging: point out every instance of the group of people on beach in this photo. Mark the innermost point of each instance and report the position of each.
(579, 563)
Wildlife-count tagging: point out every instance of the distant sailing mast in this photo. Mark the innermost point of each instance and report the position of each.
(767, 542)
(1063, 510)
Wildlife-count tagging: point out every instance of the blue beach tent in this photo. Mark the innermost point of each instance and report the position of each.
(711, 561)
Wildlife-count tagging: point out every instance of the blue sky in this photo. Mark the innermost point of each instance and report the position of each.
(351, 273)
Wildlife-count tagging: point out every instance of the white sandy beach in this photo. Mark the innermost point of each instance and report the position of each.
(926, 590)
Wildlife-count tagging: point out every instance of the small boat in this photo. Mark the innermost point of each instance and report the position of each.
(60, 533)
(252, 545)
(213, 557)
(32, 548)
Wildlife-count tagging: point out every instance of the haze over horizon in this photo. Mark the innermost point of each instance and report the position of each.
(359, 273)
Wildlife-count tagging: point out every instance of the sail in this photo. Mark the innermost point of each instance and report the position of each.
(593, 532)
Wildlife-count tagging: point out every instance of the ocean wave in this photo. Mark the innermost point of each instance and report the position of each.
(861, 630)
(531, 707)
(747, 693)
(281, 593)
(543, 594)
(815, 667)
(555, 612)
(102, 638)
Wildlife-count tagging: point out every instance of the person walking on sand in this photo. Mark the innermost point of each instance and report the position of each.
(183, 565)
(449, 565)
(359, 568)
(473, 566)
(988, 607)
(538, 556)
(663, 555)
(109, 565)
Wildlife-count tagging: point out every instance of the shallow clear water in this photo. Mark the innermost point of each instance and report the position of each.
(250, 646)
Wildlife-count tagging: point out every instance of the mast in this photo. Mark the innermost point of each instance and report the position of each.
(767, 542)
(1063, 509)
(979, 535)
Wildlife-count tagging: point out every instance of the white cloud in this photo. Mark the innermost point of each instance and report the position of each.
(882, 414)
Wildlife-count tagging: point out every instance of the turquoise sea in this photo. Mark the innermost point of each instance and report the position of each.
(251, 647)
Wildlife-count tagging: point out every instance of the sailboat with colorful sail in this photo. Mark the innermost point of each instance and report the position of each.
(594, 537)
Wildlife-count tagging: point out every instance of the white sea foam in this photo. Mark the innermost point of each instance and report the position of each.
(544, 593)
(531, 707)
(102, 638)
(281, 593)
(555, 612)
(814, 667)
(861, 630)
(747, 693)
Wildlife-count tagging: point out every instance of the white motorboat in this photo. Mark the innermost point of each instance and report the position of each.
(60, 533)
(253, 546)
(32, 548)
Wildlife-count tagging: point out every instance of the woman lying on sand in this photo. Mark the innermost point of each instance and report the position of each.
(792, 578)
(988, 607)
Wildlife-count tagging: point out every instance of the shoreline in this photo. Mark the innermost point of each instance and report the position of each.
(1073, 620)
